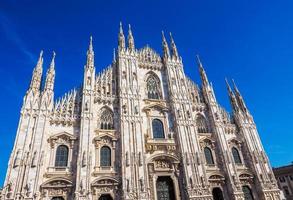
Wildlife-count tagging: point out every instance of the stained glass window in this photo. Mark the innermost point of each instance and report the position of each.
(61, 159)
(236, 156)
(106, 119)
(209, 156)
(105, 156)
(158, 129)
(153, 87)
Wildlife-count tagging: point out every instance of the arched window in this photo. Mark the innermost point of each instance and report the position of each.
(153, 87)
(247, 193)
(61, 159)
(201, 123)
(106, 119)
(209, 156)
(236, 155)
(105, 157)
(158, 129)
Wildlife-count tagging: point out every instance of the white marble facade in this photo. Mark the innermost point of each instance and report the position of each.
(140, 129)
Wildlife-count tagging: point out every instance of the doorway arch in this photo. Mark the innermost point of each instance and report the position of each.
(165, 188)
(105, 197)
(217, 194)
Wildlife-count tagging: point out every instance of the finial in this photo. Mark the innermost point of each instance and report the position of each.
(41, 53)
(129, 27)
(121, 28)
(198, 60)
(52, 65)
(171, 37)
(163, 36)
(114, 54)
(228, 86)
(235, 87)
(91, 44)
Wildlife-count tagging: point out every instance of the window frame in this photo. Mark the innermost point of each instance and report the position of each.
(110, 156)
(236, 150)
(210, 151)
(162, 126)
(56, 156)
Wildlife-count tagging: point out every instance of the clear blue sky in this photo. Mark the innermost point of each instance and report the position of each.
(250, 41)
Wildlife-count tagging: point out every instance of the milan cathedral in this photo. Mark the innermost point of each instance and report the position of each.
(140, 129)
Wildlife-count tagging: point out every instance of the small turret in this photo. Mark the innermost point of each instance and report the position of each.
(173, 48)
(50, 76)
(37, 75)
(121, 38)
(131, 46)
(165, 46)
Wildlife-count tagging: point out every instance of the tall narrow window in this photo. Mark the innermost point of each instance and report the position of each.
(247, 193)
(105, 156)
(158, 129)
(201, 123)
(106, 119)
(153, 87)
(236, 156)
(61, 159)
(209, 156)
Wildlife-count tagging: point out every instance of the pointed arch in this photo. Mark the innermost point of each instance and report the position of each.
(202, 124)
(236, 155)
(106, 119)
(153, 86)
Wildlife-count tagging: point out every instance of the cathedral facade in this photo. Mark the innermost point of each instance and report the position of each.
(140, 129)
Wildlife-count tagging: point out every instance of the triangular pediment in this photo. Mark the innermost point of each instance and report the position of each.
(156, 106)
(62, 135)
(57, 183)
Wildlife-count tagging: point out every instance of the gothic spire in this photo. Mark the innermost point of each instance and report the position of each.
(239, 98)
(37, 74)
(130, 39)
(165, 46)
(173, 47)
(50, 76)
(202, 72)
(90, 54)
(121, 38)
(233, 100)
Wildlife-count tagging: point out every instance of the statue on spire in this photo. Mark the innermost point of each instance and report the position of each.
(121, 38)
(165, 46)
(173, 47)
